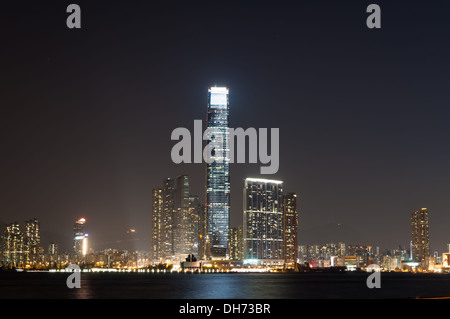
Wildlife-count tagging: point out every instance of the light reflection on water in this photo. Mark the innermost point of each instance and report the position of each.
(222, 286)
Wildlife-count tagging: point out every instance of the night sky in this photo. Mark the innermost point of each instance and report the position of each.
(87, 114)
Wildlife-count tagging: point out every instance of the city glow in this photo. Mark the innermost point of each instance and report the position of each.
(85, 245)
(262, 180)
(218, 98)
(250, 270)
(215, 89)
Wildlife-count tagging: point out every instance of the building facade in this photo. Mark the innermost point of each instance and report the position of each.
(158, 227)
(78, 236)
(32, 241)
(20, 246)
(420, 243)
(13, 245)
(169, 212)
(192, 226)
(203, 237)
(178, 221)
(236, 243)
(182, 226)
(263, 220)
(290, 229)
(218, 172)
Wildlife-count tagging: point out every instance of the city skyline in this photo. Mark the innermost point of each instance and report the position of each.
(362, 113)
(179, 228)
(176, 213)
(147, 245)
(263, 242)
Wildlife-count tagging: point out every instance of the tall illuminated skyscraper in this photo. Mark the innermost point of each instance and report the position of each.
(263, 220)
(218, 173)
(79, 238)
(420, 243)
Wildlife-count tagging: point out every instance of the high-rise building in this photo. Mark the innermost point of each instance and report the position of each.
(290, 229)
(263, 219)
(182, 191)
(79, 238)
(192, 226)
(182, 222)
(169, 212)
(158, 227)
(420, 243)
(32, 240)
(236, 243)
(218, 172)
(203, 241)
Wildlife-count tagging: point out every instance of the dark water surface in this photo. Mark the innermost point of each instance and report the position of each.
(223, 286)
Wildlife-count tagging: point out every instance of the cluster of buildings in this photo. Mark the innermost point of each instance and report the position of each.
(268, 235)
(181, 225)
(178, 221)
(20, 244)
(353, 257)
(20, 247)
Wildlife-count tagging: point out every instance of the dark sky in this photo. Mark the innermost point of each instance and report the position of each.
(86, 115)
